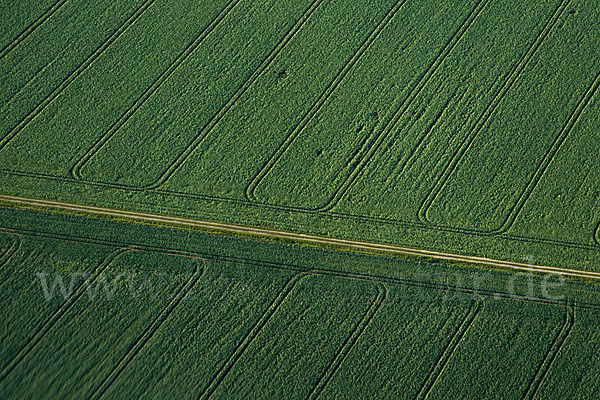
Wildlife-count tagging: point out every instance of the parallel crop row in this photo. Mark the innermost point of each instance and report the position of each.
(308, 333)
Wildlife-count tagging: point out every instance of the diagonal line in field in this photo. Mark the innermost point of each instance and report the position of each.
(490, 110)
(554, 17)
(31, 28)
(210, 125)
(150, 330)
(76, 73)
(414, 93)
(349, 343)
(440, 365)
(550, 154)
(322, 100)
(152, 89)
(552, 352)
(251, 335)
(58, 314)
(10, 252)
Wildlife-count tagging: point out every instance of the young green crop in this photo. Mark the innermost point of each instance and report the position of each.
(467, 128)
(46, 60)
(80, 110)
(204, 319)
(36, 281)
(498, 167)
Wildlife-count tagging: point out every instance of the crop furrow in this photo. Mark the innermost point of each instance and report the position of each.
(418, 88)
(322, 100)
(210, 125)
(147, 334)
(76, 73)
(552, 352)
(490, 109)
(12, 249)
(419, 146)
(59, 313)
(550, 154)
(448, 351)
(75, 170)
(31, 28)
(251, 335)
(349, 343)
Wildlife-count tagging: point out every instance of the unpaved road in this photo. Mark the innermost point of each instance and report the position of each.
(296, 237)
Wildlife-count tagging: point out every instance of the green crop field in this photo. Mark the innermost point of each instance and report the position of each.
(110, 309)
(427, 124)
(302, 199)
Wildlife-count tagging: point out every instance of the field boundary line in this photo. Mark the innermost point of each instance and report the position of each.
(568, 244)
(491, 108)
(117, 33)
(299, 210)
(10, 252)
(448, 351)
(412, 95)
(152, 89)
(31, 28)
(148, 333)
(550, 155)
(558, 342)
(322, 100)
(240, 91)
(251, 335)
(57, 315)
(415, 153)
(298, 237)
(349, 343)
(370, 277)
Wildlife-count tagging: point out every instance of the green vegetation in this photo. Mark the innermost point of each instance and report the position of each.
(94, 333)
(426, 93)
(465, 127)
(45, 61)
(399, 349)
(262, 104)
(17, 17)
(565, 202)
(503, 352)
(518, 141)
(202, 319)
(282, 109)
(295, 349)
(428, 124)
(203, 332)
(495, 346)
(578, 362)
(22, 303)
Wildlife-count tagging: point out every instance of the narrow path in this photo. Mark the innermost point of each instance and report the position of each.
(293, 236)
